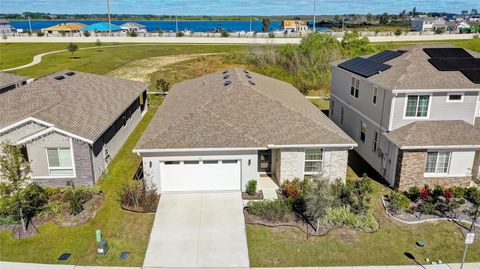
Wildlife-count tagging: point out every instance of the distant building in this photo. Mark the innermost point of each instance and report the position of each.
(102, 27)
(424, 24)
(64, 28)
(6, 28)
(294, 26)
(11, 81)
(134, 27)
(474, 18)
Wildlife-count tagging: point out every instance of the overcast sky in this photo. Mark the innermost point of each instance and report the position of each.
(234, 7)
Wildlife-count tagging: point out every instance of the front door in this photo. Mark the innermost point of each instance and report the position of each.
(264, 160)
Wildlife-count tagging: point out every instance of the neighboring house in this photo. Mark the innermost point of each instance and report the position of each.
(428, 24)
(474, 18)
(11, 81)
(102, 27)
(219, 131)
(294, 25)
(71, 124)
(68, 28)
(6, 28)
(413, 122)
(134, 27)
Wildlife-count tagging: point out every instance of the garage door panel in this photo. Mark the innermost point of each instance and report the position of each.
(191, 176)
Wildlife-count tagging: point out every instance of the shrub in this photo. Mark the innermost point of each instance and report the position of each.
(448, 194)
(343, 216)
(251, 187)
(437, 192)
(51, 208)
(318, 199)
(294, 189)
(458, 192)
(271, 210)
(132, 33)
(472, 194)
(426, 208)
(179, 34)
(398, 201)
(162, 85)
(139, 196)
(224, 33)
(86, 33)
(398, 32)
(40, 33)
(271, 35)
(34, 197)
(360, 191)
(414, 193)
(425, 193)
(5, 189)
(78, 196)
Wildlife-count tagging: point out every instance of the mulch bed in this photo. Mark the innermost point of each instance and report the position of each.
(136, 209)
(257, 196)
(89, 211)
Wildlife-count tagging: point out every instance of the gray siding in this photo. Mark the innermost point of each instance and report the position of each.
(20, 132)
(440, 109)
(378, 113)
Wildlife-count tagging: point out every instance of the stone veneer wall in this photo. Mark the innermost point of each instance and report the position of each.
(291, 164)
(410, 172)
(335, 164)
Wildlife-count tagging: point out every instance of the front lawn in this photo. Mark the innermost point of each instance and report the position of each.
(284, 247)
(124, 230)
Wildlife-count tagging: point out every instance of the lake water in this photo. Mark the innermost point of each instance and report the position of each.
(196, 26)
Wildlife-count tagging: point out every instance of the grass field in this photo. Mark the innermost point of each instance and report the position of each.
(289, 247)
(125, 231)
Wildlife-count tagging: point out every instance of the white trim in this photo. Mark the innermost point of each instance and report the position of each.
(462, 94)
(412, 91)
(61, 168)
(441, 147)
(392, 110)
(404, 115)
(18, 123)
(359, 113)
(52, 129)
(435, 174)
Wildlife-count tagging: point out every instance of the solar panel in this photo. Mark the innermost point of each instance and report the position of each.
(364, 67)
(455, 64)
(473, 75)
(385, 56)
(455, 53)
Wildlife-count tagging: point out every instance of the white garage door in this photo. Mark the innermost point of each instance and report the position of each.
(208, 175)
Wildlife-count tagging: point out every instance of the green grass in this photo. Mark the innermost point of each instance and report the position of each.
(125, 231)
(104, 60)
(285, 247)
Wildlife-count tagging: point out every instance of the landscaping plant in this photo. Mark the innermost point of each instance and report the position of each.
(414, 193)
(272, 210)
(72, 47)
(398, 201)
(78, 196)
(251, 187)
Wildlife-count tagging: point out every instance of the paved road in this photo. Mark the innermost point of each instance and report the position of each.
(204, 229)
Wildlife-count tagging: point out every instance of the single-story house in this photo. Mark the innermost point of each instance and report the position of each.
(71, 124)
(102, 27)
(6, 28)
(64, 28)
(219, 131)
(134, 27)
(11, 81)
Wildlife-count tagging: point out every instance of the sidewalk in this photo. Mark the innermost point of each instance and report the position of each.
(17, 265)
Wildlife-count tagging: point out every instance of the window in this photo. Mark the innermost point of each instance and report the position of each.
(375, 94)
(455, 98)
(375, 142)
(417, 106)
(59, 162)
(191, 162)
(363, 131)
(229, 161)
(342, 113)
(354, 88)
(210, 162)
(313, 161)
(437, 162)
(172, 162)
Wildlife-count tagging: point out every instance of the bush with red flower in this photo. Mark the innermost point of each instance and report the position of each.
(425, 193)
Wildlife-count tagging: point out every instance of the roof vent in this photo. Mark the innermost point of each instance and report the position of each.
(248, 76)
(226, 83)
(245, 71)
(224, 72)
(226, 76)
(251, 82)
(59, 77)
(70, 73)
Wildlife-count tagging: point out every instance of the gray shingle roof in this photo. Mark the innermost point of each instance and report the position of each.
(83, 104)
(435, 134)
(9, 79)
(203, 113)
(413, 71)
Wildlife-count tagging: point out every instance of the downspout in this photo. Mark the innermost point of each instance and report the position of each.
(93, 164)
(380, 132)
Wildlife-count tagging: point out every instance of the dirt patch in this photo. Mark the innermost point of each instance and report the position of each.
(89, 211)
(140, 70)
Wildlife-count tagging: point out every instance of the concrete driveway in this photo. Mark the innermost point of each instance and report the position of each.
(198, 230)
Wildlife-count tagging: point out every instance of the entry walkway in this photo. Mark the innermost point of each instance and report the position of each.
(203, 229)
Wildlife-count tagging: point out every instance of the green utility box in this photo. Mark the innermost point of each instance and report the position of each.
(103, 247)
